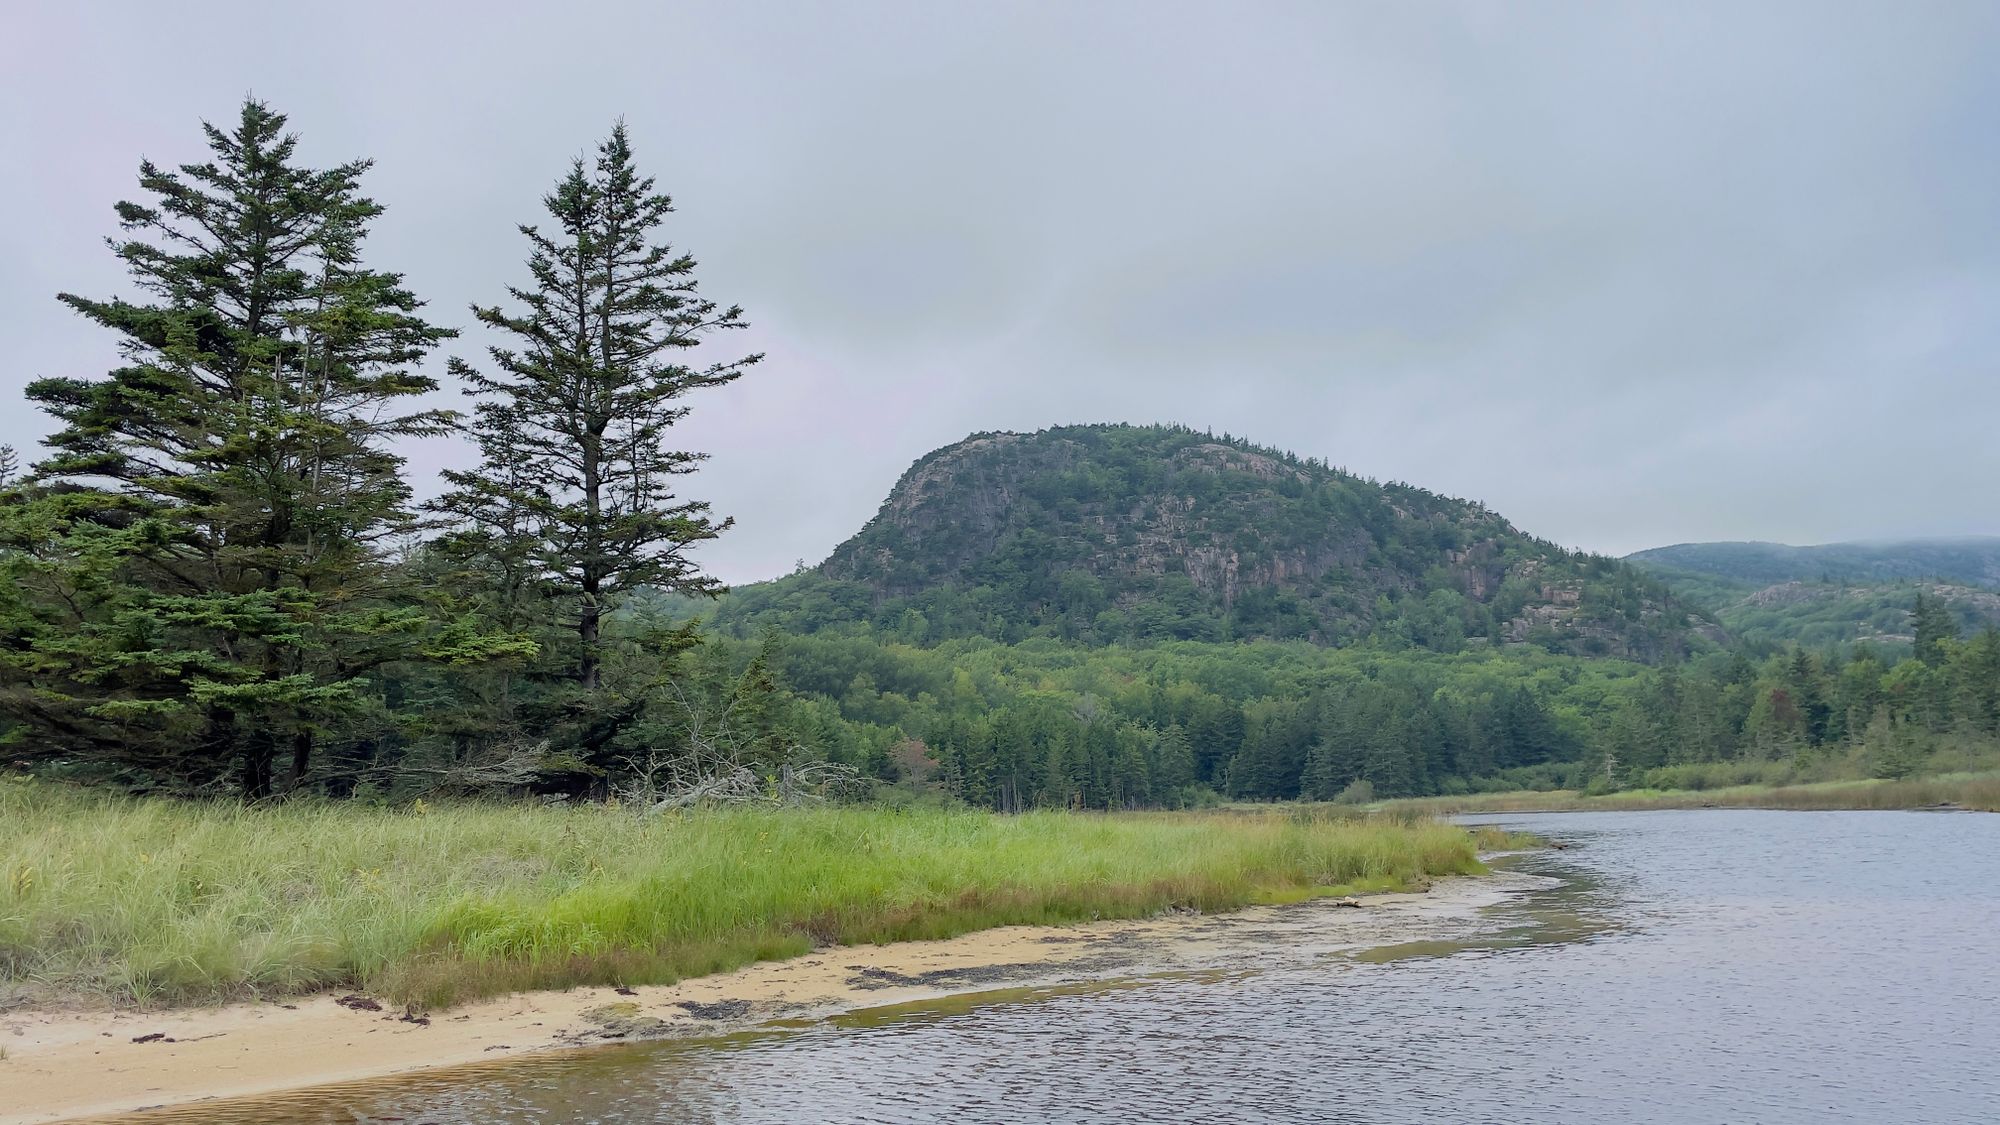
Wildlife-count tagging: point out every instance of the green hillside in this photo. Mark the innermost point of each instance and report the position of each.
(1102, 534)
(1819, 614)
(1770, 593)
(1965, 562)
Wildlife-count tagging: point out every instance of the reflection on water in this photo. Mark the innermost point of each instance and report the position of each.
(963, 1003)
(1702, 966)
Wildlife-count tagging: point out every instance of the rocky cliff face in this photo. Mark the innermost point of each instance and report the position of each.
(1092, 530)
(1822, 613)
(1769, 593)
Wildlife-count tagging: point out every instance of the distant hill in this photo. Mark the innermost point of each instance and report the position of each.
(1101, 534)
(1965, 562)
(1836, 593)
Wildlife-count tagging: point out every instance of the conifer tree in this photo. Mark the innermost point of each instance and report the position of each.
(1982, 679)
(1173, 761)
(195, 579)
(576, 477)
(1933, 625)
(755, 709)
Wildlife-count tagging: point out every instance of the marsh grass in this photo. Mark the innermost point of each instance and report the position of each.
(1978, 791)
(150, 901)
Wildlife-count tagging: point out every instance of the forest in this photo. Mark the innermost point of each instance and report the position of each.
(222, 580)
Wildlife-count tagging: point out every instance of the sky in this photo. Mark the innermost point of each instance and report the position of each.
(1632, 274)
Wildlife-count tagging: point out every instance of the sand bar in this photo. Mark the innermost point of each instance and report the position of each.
(67, 1065)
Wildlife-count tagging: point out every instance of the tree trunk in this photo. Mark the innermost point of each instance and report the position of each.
(218, 741)
(586, 630)
(302, 750)
(258, 754)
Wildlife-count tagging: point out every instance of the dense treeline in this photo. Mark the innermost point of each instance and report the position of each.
(219, 578)
(1046, 723)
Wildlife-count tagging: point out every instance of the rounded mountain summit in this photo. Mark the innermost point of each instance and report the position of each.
(1119, 533)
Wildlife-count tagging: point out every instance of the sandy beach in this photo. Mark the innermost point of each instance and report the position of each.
(61, 1066)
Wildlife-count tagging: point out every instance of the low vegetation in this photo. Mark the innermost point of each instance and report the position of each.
(128, 900)
(1488, 838)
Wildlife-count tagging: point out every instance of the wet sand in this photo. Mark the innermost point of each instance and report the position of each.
(61, 1066)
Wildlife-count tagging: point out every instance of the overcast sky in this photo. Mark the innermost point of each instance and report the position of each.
(1631, 274)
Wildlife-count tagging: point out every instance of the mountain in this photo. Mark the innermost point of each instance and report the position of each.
(1965, 562)
(1822, 613)
(1835, 593)
(1110, 533)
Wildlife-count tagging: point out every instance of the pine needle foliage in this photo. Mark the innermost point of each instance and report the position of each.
(198, 576)
(573, 498)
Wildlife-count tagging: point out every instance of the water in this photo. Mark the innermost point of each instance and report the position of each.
(1691, 967)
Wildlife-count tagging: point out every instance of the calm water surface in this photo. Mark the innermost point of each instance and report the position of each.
(1699, 967)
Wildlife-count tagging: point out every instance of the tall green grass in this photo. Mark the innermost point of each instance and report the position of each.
(1979, 791)
(157, 901)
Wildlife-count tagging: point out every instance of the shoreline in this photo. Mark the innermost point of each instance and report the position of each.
(110, 899)
(1978, 792)
(62, 1066)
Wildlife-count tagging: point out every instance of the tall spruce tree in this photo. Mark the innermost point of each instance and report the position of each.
(195, 580)
(576, 478)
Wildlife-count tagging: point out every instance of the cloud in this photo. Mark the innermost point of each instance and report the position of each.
(1630, 274)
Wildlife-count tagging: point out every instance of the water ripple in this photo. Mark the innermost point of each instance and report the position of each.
(1693, 967)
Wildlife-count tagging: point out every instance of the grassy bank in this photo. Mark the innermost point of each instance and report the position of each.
(155, 901)
(1979, 791)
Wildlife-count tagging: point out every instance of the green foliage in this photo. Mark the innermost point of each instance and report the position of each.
(1768, 595)
(573, 499)
(438, 903)
(1978, 790)
(1048, 723)
(1819, 614)
(1124, 534)
(214, 573)
(1044, 723)
(1932, 627)
(1357, 792)
(1970, 562)
(215, 576)
(193, 582)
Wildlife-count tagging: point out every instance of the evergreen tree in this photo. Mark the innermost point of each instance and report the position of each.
(1803, 676)
(1128, 780)
(1316, 778)
(1390, 768)
(1530, 732)
(755, 707)
(197, 581)
(575, 474)
(1933, 624)
(1340, 753)
(1215, 730)
(1173, 762)
(1257, 769)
